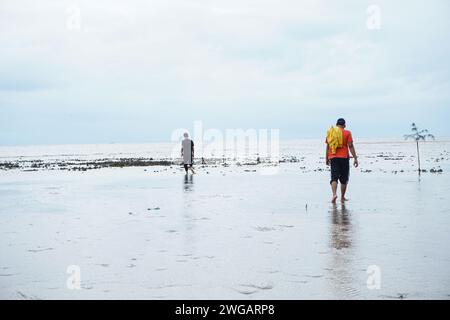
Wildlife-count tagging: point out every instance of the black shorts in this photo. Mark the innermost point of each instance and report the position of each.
(340, 170)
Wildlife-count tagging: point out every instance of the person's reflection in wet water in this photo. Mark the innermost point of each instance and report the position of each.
(341, 225)
(341, 269)
(188, 184)
(188, 214)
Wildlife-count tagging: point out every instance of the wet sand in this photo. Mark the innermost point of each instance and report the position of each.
(229, 232)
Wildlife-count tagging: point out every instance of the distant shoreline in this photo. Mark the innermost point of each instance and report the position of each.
(309, 154)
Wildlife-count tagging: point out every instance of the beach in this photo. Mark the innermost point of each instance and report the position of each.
(232, 231)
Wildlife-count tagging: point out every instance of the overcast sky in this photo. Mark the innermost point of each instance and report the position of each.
(133, 71)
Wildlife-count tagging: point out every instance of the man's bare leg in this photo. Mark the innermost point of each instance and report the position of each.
(192, 169)
(334, 190)
(343, 190)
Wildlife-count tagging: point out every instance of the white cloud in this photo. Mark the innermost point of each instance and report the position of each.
(213, 58)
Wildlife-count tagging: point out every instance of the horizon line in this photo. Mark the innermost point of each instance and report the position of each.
(363, 140)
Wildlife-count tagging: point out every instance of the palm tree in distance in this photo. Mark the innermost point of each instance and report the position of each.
(418, 135)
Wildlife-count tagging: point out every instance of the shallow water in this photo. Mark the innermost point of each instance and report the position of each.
(230, 233)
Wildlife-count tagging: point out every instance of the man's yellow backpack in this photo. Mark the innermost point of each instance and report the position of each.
(335, 139)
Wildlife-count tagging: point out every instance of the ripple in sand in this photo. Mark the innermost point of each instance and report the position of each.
(104, 265)
(270, 271)
(297, 281)
(246, 291)
(27, 297)
(168, 286)
(185, 255)
(351, 292)
(40, 250)
(265, 229)
(200, 219)
(315, 276)
(87, 286)
(400, 296)
(259, 286)
(202, 257)
(285, 226)
(153, 217)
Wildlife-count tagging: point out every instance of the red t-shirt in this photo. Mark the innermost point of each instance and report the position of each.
(342, 152)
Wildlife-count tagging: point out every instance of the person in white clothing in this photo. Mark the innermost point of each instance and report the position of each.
(187, 152)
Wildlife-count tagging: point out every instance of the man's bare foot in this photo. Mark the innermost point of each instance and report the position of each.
(334, 199)
(343, 199)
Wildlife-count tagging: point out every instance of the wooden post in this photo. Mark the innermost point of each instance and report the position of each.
(418, 155)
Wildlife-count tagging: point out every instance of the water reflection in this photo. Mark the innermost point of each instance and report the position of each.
(341, 264)
(188, 184)
(188, 214)
(340, 227)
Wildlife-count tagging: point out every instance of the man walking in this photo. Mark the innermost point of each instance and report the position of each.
(339, 141)
(187, 152)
